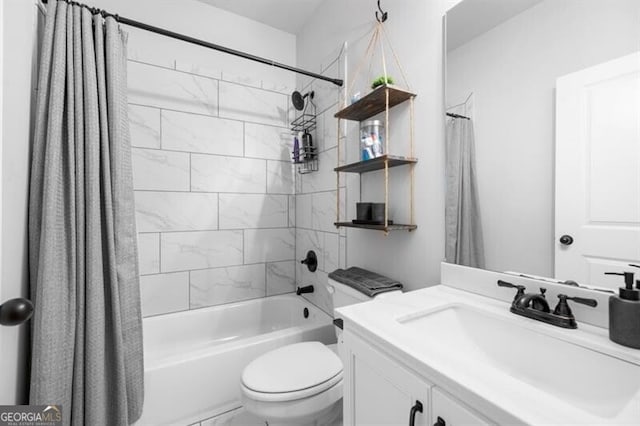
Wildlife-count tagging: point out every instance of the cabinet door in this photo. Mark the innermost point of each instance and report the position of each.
(378, 391)
(446, 411)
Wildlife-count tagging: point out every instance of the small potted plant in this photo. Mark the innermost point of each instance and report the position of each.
(382, 80)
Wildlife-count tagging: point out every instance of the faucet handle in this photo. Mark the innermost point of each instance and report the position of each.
(520, 288)
(562, 308)
(583, 301)
(507, 284)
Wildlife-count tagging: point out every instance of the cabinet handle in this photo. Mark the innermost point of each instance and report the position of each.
(440, 422)
(417, 408)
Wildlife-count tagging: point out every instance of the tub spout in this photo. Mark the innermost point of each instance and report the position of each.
(306, 289)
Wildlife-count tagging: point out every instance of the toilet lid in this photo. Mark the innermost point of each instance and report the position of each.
(293, 368)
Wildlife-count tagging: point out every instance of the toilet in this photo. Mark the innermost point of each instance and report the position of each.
(301, 384)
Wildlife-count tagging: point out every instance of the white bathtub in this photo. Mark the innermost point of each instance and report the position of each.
(193, 359)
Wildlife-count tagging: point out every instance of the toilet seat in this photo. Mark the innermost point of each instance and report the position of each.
(292, 372)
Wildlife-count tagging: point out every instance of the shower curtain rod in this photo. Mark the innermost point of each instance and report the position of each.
(182, 37)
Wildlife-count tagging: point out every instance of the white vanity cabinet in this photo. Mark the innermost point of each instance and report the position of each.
(378, 390)
(446, 411)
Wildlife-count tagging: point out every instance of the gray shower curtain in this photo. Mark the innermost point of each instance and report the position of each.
(87, 327)
(464, 245)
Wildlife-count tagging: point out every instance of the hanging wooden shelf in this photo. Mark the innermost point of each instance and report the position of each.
(377, 101)
(376, 164)
(388, 228)
(374, 103)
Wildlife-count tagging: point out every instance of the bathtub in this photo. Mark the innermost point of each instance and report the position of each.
(194, 359)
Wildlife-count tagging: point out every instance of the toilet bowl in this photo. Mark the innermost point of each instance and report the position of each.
(300, 384)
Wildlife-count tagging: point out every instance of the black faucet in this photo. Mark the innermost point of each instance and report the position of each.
(302, 290)
(535, 306)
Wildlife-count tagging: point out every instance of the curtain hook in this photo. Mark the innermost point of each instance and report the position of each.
(383, 15)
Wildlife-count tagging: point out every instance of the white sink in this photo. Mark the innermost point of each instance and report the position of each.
(485, 342)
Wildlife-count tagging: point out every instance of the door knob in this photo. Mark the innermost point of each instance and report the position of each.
(566, 240)
(15, 311)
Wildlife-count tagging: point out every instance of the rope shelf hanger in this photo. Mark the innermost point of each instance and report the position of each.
(378, 39)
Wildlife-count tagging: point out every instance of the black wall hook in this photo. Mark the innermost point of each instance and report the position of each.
(383, 15)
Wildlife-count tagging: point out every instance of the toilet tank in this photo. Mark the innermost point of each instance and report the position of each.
(343, 295)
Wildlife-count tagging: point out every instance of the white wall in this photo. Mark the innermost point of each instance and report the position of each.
(19, 44)
(415, 29)
(512, 70)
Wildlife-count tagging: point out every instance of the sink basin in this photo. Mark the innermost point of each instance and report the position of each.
(554, 366)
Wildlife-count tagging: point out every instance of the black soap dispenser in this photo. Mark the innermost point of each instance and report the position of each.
(624, 313)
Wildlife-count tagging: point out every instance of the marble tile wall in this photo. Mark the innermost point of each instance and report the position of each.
(316, 193)
(214, 187)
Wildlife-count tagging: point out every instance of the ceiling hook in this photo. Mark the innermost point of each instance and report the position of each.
(383, 15)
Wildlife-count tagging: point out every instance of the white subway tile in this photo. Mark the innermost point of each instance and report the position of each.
(330, 128)
(149, 253)
(198, 69)
(247, 80)
(144, 124)
(320, 296)
(303, 211)
(281, 87)
(160, 170)
(200, 133)
(164, 293)
(323, 211)
(343, 253)
(325, 178)
(269, 245)
(164, 88)
(298, 183)
(239, 211)
(268, 142)
(331, 251)
(226, 285)
(250, 104)
(328, 94)
(292, 210)
(281, 277)
(176, 211)
(280, 177)
(228, 174)
(182, 251)
(138, 49)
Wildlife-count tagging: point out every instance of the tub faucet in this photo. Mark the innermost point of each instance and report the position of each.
(535, 306)
(306, 289)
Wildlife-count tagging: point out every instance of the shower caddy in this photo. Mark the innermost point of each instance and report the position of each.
(306, 160)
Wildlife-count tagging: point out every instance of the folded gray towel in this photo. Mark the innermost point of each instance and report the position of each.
(367, 282)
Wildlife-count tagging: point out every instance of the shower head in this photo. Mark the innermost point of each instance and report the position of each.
(297, 99)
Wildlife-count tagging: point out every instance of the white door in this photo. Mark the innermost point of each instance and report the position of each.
(598, 172)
